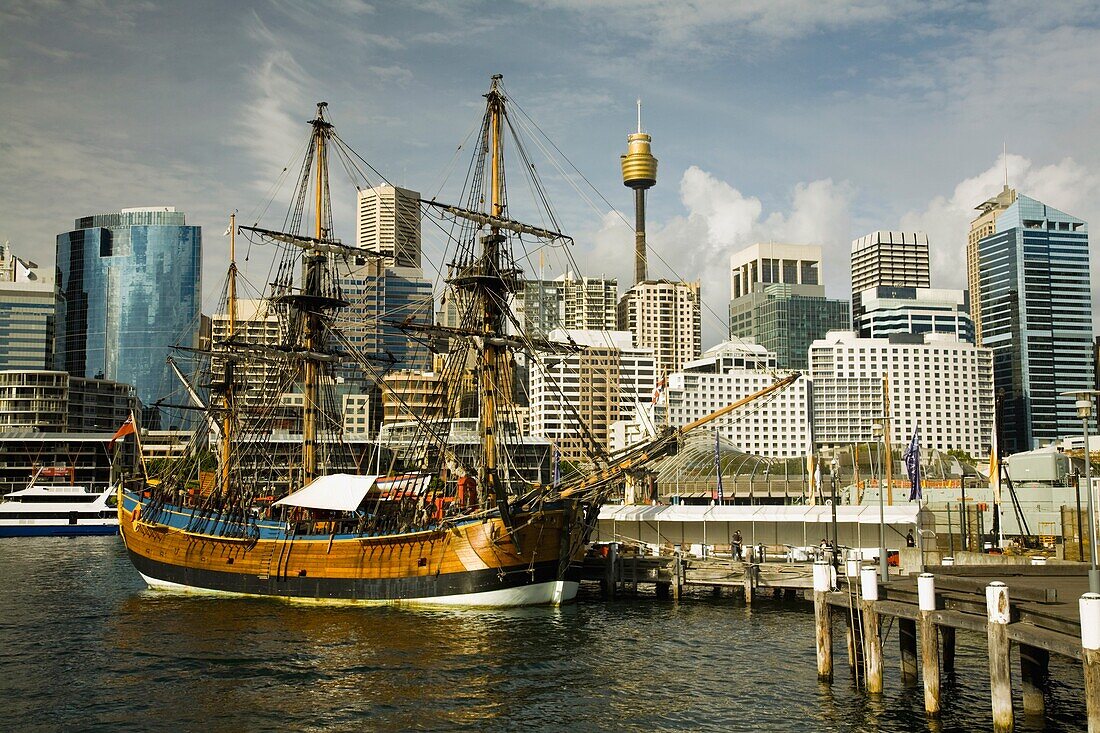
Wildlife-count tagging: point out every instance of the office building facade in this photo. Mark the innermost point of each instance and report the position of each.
(381, 299)
(982, 226)
(936, 384)
(767, 263)
(891, 259)
(785, 319)
(44, 401)
(887, 310)
(28, 305)
(664, 316)
(129, 287)
(1036, 306)
(575, 397)
(387, 224)
(778, 427)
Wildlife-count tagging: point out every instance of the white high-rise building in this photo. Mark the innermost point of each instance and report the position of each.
(664, 315)
(575, 397)
(937, 384)
(387, 223)
(568, 302)
(588, 303)
(893, 259)
(777, 427)
(767, 263)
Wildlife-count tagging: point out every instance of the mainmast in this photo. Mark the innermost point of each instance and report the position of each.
(313, 267)
(494, 373)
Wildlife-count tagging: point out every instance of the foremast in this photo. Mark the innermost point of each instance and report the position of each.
(228, 401)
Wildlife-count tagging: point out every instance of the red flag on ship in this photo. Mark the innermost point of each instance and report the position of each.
(126, 429)
(659, 390)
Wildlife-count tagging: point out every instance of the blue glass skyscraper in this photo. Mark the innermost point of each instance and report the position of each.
(129, 290)
(1036, 307)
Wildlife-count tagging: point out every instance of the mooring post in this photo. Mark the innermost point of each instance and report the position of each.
(872, 644)
(1000, 671)
(929, 643)
(947, 638)
(823, 622)
(677, 576)
(611, 574)
(907, 643)
(1034, 669)
(749, 581)
(1090, 655)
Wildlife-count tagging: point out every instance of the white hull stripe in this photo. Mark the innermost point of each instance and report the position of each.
(551, 593)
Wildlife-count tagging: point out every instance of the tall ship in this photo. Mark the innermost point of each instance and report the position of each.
(441, 520)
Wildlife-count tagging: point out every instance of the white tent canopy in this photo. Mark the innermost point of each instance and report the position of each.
(894, 515)
(769, 524)
(338, 492)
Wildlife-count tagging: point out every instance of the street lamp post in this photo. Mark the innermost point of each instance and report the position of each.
(883, 563)
(836, 537)
(1084, 411)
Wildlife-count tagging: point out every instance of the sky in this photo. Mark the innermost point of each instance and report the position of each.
(807, 121)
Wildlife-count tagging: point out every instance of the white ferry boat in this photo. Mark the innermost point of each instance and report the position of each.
(58, 510)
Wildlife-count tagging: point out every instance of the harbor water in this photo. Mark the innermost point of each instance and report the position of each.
(84, 646)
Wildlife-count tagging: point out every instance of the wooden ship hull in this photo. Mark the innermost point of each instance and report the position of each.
(473, 563)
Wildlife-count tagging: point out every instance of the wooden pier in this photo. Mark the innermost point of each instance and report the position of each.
(1044, 609)
(1038, 608)
(622, 571)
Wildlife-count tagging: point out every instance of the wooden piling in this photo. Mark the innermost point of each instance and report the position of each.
(872, 643)
(823, 622)
(907, 641)
(1089, 605)
(749, 582)
(929, 644)
(1034, 666)
(611, 575)
(1000, 670)
(677, 577)
(947, 661)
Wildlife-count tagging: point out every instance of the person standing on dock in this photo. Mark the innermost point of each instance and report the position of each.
(737, 544)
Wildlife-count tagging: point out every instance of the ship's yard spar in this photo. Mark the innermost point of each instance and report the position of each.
(304, 295)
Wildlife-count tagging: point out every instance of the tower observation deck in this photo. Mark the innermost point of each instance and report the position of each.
(639, 173)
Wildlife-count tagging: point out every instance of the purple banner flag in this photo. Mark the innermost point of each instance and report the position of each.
(912, 465)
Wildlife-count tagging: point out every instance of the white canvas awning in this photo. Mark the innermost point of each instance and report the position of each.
(796, 525)
(337, 492)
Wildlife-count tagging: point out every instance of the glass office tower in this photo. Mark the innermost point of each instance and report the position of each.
(1036, 307)
(129, 288)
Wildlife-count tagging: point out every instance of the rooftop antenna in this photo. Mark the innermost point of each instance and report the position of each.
(639, 114)
(1004, 156)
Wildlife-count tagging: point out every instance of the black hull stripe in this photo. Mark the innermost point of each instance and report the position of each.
(358, 589)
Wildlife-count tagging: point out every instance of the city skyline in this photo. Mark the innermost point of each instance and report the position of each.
(809, 123)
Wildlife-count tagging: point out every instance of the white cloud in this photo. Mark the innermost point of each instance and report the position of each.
(271, 118)
(712, 27)
(1065, 185)
(720, 220)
